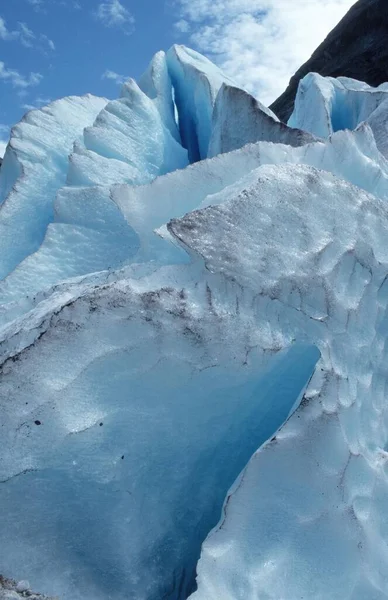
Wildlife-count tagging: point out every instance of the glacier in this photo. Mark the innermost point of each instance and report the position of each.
(324, 105)
(193, 325)
(33, 169)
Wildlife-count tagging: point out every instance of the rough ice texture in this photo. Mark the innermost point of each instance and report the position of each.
(12, 590)
(306, 518)
(350, 155)
(324, 105)
(80, 244)
(234, 364)
(239, 119)
(34, 167)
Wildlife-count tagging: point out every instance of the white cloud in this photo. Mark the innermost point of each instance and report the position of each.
(17, 80)
(116, 77)
(260, 43)
(112, 13)
(47, 40)
(5, 34)
(39, 102)
(25, 36)
(28, 107)
(182, 25)
(38, 5)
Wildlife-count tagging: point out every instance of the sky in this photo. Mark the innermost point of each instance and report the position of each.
(55, 48)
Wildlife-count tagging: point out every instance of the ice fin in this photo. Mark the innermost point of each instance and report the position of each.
(33, 170)
(196, 83)
(156, 83)
(240, 119)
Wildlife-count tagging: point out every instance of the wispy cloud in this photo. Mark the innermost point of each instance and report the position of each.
(116, 77)
(17, 80)
(25, 36)
(260, 43)
(42, 5)
(42, 101)
(28, 107)
(5, 34)
(182, 26)
(38, 5)
(112, 13)
(48, 41)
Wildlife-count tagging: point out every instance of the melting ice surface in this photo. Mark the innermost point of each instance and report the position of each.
(193, 342)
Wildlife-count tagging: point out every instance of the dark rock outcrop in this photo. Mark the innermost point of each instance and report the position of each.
(357, 47)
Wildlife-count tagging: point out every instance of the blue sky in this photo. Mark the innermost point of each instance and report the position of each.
(67, 46)
(53, 48)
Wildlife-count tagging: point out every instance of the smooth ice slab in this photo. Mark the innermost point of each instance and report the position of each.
(239, 119)
(88, 168)
(89, 234)
(378, 122)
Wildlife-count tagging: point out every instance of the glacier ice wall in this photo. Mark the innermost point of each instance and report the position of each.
(324, 105)
(193, 342)
(34, 167)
